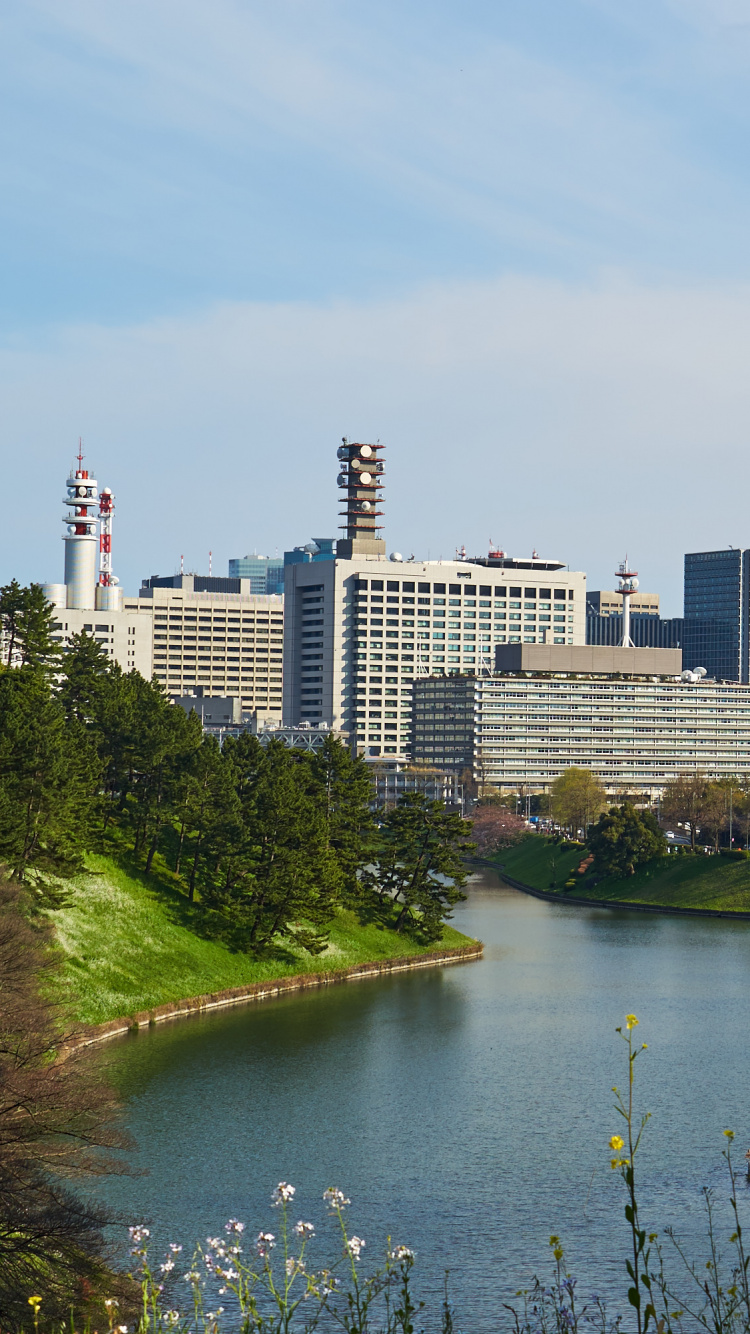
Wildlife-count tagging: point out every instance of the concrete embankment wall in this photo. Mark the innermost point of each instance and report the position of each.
(258, 991)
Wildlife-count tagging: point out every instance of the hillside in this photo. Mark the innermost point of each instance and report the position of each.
(673, 881)
(131, 942)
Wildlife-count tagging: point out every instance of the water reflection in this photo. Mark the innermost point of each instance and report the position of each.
(466, 1110)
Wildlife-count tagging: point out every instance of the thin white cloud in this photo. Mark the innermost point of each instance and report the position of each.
(580, 420)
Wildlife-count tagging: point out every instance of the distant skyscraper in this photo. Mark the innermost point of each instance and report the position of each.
(715, 634)
(266, 573)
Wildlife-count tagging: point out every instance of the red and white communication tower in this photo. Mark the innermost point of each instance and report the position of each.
(106, 512)
(108, 594)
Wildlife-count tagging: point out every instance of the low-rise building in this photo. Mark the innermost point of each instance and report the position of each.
(628, 715)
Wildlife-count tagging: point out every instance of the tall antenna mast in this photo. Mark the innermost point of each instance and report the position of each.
(106, 512)
(628, 585)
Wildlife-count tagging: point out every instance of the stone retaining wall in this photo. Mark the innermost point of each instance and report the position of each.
(257, 991)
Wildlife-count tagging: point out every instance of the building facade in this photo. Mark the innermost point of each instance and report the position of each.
(215, 634)
(646, 631)
(717, 594)
(522, 729)
(125, 635)
(608, 602)
(360, 627)
(265, 573)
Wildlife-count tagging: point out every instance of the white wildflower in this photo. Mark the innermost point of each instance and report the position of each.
(402, 1253)
(234, 1226)
(355, 1246)
(283, 1194)
(335, 1198)
(305, 1230)
(167, 1267)
(265, 1242)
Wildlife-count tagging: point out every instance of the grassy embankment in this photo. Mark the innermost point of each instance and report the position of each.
(131, 942)
(673, 881)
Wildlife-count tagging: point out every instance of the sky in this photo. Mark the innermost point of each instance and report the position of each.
(510, 239)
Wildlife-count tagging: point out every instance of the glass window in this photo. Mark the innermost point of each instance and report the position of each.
(530, 592)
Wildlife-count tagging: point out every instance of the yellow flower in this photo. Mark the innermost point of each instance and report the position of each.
(630, 1021)
(729, 1134)
(616, 1143)
(35, 1302)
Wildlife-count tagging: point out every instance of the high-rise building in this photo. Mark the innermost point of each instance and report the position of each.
(361, 628)
(215, 634)
(717, 597)
(628, 715)
(265, 573)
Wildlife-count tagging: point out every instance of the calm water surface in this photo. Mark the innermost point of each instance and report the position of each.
(465, 1110)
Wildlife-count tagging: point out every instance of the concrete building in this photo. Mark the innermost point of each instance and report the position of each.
(361, 627)
(125, 636)
(608, 602)
(266, 573)
(717, 612)
(215, 634)
(628, 715)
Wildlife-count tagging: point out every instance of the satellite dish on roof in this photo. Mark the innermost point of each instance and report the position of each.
(396, 556)
(700, 671)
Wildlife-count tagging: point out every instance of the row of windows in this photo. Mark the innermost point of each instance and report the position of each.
(467, 590)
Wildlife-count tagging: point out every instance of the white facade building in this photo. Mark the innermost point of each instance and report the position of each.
(124, 635)
(521, 730)
(360, 630)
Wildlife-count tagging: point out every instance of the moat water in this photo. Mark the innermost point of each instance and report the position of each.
(465, 1110)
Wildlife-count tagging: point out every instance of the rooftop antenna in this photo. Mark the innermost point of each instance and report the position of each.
(182, 564)
(628, 585)
(79, 455)
(210, 555)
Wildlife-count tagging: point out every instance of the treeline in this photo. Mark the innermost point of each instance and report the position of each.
(272, 839)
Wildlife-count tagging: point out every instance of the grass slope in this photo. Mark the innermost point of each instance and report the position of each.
(673, 882)
(131, 942)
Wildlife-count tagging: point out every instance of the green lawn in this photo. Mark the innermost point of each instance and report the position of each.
(673, 881)
(131, 942)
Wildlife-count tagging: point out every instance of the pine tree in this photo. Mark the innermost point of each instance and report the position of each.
(83, 683)
(419, 864)
(345, 791)
(26, 625)
(48, 776)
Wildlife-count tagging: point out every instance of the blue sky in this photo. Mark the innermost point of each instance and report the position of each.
(508, 239)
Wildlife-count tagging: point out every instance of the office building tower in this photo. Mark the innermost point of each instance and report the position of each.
(715, 634)
(360, 628)
(628, 715)
(265, 573)
(214, 634)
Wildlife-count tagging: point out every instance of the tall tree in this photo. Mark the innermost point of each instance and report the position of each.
(683, 801)
(419, 864)
(623, 838)
(26, 625)
(345, 790)
(577, 798)
(84, 677)
(288, 880)
(48, 776)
